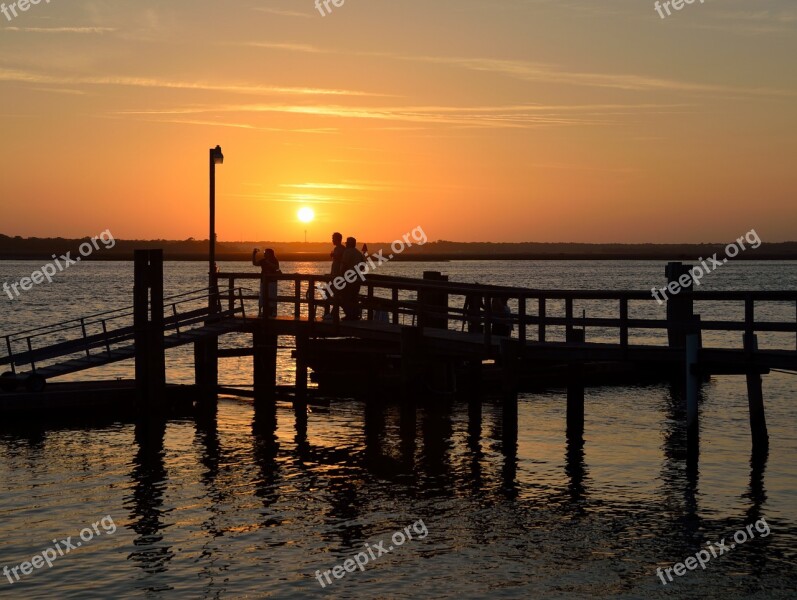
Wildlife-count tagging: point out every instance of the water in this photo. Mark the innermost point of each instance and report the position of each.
(230, 510)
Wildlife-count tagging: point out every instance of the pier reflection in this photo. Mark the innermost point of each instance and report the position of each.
(680, 477)
(437, 432)
(576, 471)
(147, 515)
(756, 493)
(509, 448)
(264, 453)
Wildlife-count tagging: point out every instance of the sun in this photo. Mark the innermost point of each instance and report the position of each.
(305, 214)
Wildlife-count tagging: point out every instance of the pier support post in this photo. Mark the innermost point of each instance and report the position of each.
(434, 304)
(680, 306)
(575, 388)
(755, 397)
(510, 361)
(206, 353)
(692, 379)
(692, 392)
(411, 356)
(300, 386)
(148, 329)
(264, 344)
(410, 361)
(206, 372)
(473, 387)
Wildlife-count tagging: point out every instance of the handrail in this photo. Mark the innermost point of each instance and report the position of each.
(198, 294)
(389, 282)
(522, 320)
(85, 342)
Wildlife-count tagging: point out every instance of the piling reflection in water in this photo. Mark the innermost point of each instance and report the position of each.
(147, 516)
(575, 468)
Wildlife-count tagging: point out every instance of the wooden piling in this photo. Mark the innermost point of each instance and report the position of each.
(510, 363)
(692, 385)
(411, 356)
(302, 343)
(410, 360)
(206, 351)
(473, 383)
(693, 342)
(575, 388)
(680, 306)
(434, 303)
(300, 386)
(206, 372)
(264, 343)
(755, 397)
(150, 355)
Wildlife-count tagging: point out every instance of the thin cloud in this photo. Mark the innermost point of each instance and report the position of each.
(513, 116)
(283, 13)
(296, 198)
(548, 73)
(99, 30)
(323, 130)
(750, 22)
(575, 167)
(307, 48)
(61, 91)
(338, 186)
(145, 82)
(538, 72)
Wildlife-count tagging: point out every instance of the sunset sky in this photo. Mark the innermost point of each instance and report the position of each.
(507, 120)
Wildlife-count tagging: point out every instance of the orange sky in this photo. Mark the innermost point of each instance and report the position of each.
(509, 120)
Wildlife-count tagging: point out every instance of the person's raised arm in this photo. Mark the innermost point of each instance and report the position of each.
(254, 257)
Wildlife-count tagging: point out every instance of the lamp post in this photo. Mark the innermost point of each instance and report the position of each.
(216, 158)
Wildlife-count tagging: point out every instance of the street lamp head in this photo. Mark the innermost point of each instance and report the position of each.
(217, 156)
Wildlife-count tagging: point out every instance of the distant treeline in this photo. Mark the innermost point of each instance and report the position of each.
(43, 248)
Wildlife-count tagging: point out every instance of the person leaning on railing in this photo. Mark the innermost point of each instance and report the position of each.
(269, 265)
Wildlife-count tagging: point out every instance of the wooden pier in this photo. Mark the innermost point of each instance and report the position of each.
(419, 340)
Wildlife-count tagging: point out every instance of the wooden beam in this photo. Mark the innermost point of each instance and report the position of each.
(755, 399)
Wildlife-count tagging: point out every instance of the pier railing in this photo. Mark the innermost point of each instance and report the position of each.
(106, 330)
(536, 315)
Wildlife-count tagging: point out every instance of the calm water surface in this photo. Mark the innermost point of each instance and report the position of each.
(227, 508)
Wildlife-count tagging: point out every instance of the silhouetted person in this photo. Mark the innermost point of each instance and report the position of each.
(336, 270)
(474, 304)
(337, 255)
(502, 317)
(269, 265)
(351, 258)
